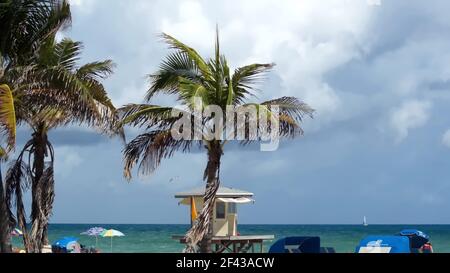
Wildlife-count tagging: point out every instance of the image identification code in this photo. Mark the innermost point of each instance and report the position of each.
(230, 262)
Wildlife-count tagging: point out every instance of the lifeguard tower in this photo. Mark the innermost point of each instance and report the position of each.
(226, 236)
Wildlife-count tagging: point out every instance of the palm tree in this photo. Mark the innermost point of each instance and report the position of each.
(186, 75)
(58, 92)
(49, 91)
(23, 25)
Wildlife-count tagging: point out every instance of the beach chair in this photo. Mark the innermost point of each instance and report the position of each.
(327, 250)
(296, 245)
(384, 244)
(417, 239)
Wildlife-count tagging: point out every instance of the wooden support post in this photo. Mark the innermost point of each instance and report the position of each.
(216, 247)
(245, 247)
(224, 246)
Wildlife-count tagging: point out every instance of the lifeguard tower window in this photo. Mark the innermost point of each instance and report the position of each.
(220, 210)
(232, 208)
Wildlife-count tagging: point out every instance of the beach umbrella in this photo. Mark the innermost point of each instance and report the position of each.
(68, 244)
(416, 237)
(16, 232)
(111, 233)
(95, 231)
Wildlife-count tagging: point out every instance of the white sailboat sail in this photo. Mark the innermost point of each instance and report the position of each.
(365, 222)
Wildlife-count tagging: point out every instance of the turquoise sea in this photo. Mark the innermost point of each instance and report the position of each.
(157, 238)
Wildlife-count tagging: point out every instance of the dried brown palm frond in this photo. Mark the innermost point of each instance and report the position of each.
(45, 196)
(150, 149)
(54, 80)
(202, 224)
(20, 177)
(144, 115)
(16, 181)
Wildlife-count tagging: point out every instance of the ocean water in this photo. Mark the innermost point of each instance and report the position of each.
(158, 238)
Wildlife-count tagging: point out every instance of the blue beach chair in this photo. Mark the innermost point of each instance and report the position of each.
(296, 245)
(384, 244)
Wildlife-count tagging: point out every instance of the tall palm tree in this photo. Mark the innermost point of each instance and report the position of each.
(190, 78)
(58, 92)
(23, 25)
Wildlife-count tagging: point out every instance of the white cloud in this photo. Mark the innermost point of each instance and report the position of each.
(411, 114)
(75, 3)
(81, 5)
(306, 39)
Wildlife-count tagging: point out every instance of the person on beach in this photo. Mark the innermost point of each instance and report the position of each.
(427, 248)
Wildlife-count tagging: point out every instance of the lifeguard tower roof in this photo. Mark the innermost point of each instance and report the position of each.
(221, 192)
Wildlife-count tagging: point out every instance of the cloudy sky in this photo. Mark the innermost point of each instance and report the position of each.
(377, 72)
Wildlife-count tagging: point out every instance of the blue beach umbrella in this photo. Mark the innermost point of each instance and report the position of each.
(416, 237)
(70, 244)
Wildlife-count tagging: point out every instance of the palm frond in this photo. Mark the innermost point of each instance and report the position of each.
(290, 116)
(7, 115)
(56, 109)
(190, 91)
(96, 70)
(56, 81)
(67, 53)
(52, 116)
(291, 106)
(44, 197)
(245, 78)
(59, 78)
(16, 181)
(150, 149)
(288, 119)
(145, 115)
(3, 157)
(193, 55)
(26, 24)
(165, 80)
(217, 67)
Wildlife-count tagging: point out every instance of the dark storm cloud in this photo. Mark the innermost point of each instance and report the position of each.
(65, 137)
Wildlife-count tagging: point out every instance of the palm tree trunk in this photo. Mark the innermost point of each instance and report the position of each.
(38, 167)
(40, 144)
(5, 236)
(202, 231)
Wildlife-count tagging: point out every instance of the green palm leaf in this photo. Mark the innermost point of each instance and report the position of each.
(193, 55)
(166, 80)
(245, 78)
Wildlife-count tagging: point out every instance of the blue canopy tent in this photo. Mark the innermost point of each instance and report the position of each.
(384, 244)
(66, 245)
(416, 237)
(296, 245)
